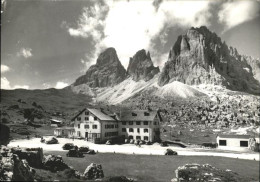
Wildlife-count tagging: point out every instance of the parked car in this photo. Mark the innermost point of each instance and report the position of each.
(170, 152)
(164, 144)
(53, 140)
(83, 149)
(68, 146)
(74, 153)
(148, 143)
(91, 152)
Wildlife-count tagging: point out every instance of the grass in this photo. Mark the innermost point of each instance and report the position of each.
(158, 168)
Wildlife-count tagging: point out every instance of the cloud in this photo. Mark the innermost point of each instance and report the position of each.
(46, 85)
(4, 68)
(129, 27)
(5, 84)
(60, 85)
(21, 87)
(25, 52)
(236, 12)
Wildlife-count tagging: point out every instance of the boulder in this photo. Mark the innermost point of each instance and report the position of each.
(93, 171)
(204, 172)
(12, 168)
(54, 163)
(33, 156)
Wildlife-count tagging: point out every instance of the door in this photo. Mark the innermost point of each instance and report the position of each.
(86, 134)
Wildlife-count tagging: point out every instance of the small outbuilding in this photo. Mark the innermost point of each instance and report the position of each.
(65, 132)
(55, 122)
(233, 141)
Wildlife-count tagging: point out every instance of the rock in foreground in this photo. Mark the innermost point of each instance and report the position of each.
(12, 168)
(204, 173)
(93, 171)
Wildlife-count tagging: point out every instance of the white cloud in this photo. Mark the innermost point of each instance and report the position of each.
(4, 68)
(236, 12)
(131, 26)
(21, 87)
(25, 52)
(5, 84)
(60, 85)
(46, 85)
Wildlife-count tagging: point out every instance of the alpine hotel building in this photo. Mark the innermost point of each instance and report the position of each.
(98, 126)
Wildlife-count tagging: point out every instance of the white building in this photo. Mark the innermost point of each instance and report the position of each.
(140, 125)
(233, 141)
(98, 126)
(65, 132)
(95, 125)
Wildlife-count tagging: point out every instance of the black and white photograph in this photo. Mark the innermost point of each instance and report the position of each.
(130, 90)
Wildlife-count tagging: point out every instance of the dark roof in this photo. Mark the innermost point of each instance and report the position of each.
(98, 113)
(235, 136)
(138, 115)
(65, 128)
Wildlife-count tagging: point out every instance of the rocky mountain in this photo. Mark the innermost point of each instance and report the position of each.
(141, 66)
(107, 71)
(200, 57)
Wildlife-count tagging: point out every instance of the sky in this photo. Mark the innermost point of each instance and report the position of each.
(48, 44)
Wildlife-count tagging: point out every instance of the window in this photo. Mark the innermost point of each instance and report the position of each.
(79, 118)
(79, 133)
(131, 123)
(146, 138)
(145, 130)
(123, 129)
(116, 126)
(123, 123)
(134, 114)
(223, 142)
(145, 122)
(94, 126)
(146, 113)
(109, 134)
(86, 118)
(131, 130)
(243, 143)
(138, 137)
(154, 123)
(95, 118)
(86, 126)
(78, 125)
(138, 122)
(130, 137)
(138, 130)
(86, 113)
(62, 131)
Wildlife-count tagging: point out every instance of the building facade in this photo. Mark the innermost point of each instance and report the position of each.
(95, 125)
(233, 141)
(65, 132)
(98, 126)
(140, 125)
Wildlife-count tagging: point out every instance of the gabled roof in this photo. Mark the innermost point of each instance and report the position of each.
(98, 113)
(235, 136)
(138, 115)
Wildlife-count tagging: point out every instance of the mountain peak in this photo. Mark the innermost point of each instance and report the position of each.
(141, 66)
(108, 71)
(200, 57)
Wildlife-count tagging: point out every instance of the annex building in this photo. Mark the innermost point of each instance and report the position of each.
(98, 126)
